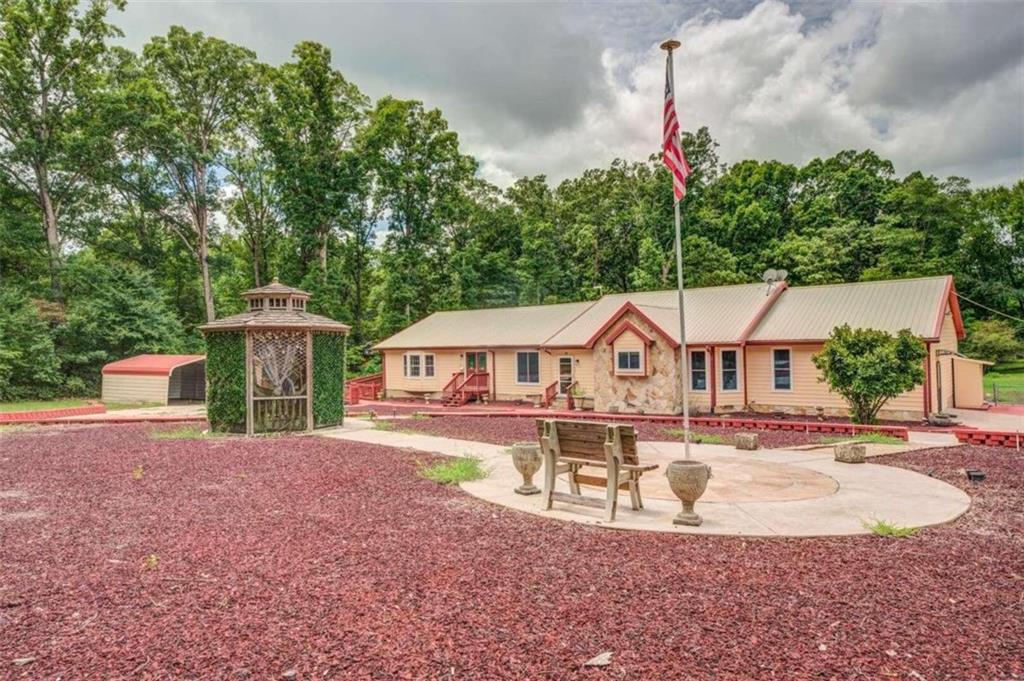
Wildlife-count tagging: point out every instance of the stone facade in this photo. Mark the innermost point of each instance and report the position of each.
(657, 392)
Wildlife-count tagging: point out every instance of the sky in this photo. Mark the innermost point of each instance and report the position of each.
(553, 89)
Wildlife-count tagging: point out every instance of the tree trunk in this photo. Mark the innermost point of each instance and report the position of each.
(51, 230)
(255, 247)
(322, 255)
(202, 231)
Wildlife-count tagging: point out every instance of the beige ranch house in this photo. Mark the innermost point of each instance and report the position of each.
(749, 348)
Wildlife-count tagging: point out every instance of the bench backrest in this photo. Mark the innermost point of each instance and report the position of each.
(587, 439)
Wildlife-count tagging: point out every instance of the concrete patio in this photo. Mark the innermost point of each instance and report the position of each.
(764, 493)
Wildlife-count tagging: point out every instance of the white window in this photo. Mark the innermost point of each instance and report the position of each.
(417, 365)
(528, 367)
(698, 370)
(629, 362)
(782, 369)
(730, 370)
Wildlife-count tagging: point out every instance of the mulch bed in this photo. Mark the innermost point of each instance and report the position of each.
(506, 430)
(308, 557)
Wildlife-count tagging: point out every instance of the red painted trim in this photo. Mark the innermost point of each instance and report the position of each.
(949, 297)
(714, 377)
(629, 326)
(927, 379)
(762, 311)
(45, 414)
(630, 307)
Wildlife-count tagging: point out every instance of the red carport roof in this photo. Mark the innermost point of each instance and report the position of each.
(150, 365)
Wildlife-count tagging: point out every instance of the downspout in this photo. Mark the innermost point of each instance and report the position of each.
(952, 376)
(744, 347)
(710, 349)
(383, 374)
(927, 379)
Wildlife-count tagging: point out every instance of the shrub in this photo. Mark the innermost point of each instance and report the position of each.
(868, 367)
(993, 340)
(29, 368)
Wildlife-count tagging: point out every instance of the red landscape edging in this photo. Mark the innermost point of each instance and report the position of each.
(900, 432)
(991, 438)
(44, 414)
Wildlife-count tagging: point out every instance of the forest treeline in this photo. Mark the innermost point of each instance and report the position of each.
(141, 192)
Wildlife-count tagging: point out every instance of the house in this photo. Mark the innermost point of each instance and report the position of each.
(749, 348)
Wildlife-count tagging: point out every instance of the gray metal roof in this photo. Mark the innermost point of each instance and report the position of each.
(811, 312)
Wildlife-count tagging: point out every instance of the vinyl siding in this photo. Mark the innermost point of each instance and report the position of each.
(629, 341)
(947, 341)
(126, 388)
(446, 362)
(970, 393)
(808, 393)
(505, 370)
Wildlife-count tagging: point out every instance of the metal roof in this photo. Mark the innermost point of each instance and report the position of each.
(492, 327)
(150, 365)
(811, 312)
(713, 315)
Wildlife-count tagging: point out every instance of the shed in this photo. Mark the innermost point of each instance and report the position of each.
(161, 379)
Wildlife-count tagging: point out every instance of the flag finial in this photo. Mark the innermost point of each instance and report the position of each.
(670, 45)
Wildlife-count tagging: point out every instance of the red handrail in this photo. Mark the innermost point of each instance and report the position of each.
(549, 394)
(364, 388)
(450, 388)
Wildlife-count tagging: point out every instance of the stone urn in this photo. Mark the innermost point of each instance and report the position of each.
(688, 480)
(526, 458)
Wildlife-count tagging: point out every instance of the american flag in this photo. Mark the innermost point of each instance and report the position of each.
(672, 155)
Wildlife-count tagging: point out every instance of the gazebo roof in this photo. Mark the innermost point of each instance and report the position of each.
(275, 288)
(276, 319)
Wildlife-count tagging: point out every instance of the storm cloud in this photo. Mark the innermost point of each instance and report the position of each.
(555, 89)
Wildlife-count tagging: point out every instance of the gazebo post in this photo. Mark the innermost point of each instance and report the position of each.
(249, 425)
(309, 380)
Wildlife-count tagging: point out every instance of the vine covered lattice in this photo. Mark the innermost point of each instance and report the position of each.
(225, 376)
(328, 379)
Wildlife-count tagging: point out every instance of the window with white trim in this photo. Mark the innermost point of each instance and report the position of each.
(528, 367)
(782, 369)
(730, 370)
(418, 365)
(629, 362)
(698, 370)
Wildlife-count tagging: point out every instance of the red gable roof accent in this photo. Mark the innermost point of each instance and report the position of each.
(951, 298)
(630, 307)
(752, 326)
(151, 365)
(629, 326)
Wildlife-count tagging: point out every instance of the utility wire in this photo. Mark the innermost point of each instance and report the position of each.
(986, 307)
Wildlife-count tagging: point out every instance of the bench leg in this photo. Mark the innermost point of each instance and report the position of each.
(634, 493)
(611, 502)
(549, 481)
(574, 486)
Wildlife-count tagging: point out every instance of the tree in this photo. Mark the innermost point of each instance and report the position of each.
(309, 125)
(993, 340)
(51, 84)
(868, 367)
(202, 85)
(29, 367)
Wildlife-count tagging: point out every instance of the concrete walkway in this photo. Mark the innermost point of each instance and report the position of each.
(764, 493)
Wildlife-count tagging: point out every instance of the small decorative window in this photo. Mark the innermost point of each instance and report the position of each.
(527, 367)
(698, 370)
(782, 370)
(255, 303)
(730, 370)
(629, 361)
(278, 303)
(299, 304)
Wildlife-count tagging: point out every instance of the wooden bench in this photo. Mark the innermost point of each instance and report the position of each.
(568, 446)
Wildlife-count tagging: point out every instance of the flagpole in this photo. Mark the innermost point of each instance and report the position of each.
(668, 46)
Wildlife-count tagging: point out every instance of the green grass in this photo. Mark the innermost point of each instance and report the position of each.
(36, 405)
(1008, 377)
(182, 433)
(873, 438)
(885, 529)
(454, 471)
(699, 438)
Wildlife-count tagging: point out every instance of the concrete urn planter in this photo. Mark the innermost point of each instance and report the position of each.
(526, 458)
(688, 480)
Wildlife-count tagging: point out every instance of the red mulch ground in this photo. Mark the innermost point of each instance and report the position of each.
(505, 430)
(334, 560)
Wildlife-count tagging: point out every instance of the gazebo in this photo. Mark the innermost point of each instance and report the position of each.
(275, 367)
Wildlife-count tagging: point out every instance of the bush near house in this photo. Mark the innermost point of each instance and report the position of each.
(869, 367)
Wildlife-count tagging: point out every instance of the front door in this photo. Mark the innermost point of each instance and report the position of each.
(565, 374)
(476, 361)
